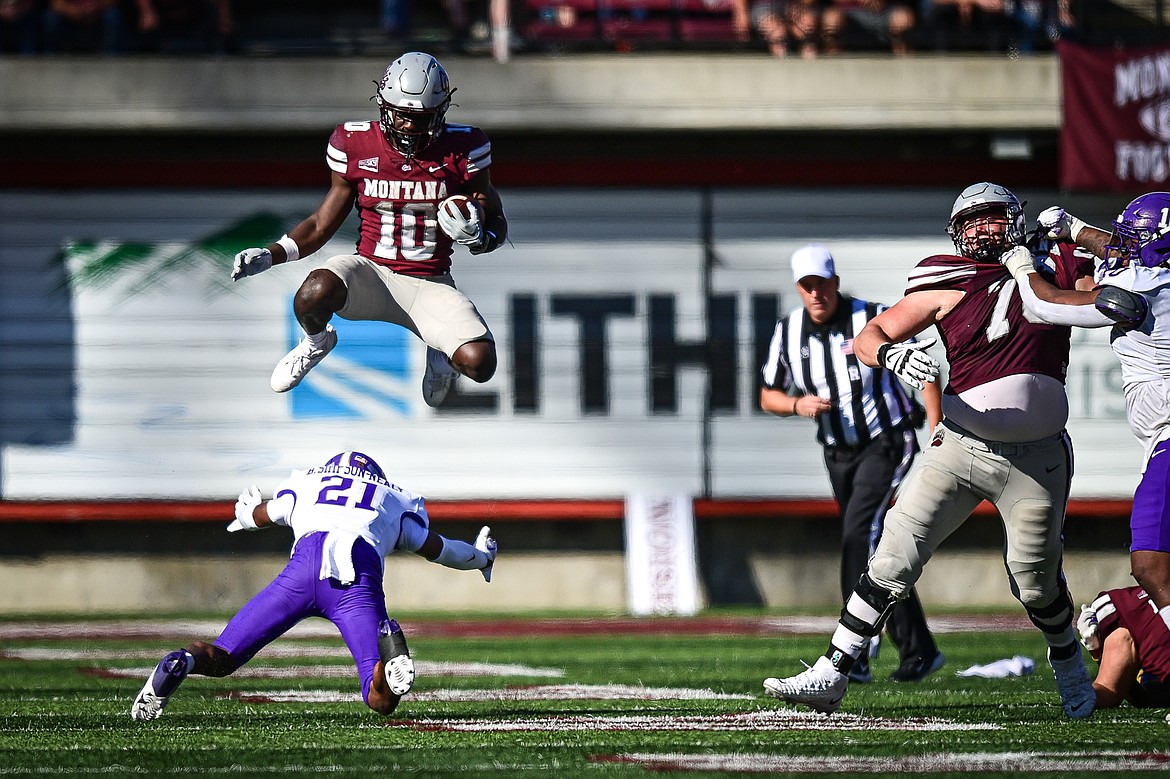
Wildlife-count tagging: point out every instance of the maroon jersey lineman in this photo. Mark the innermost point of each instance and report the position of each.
(986, 335)
(1132, 609)
(397, 199)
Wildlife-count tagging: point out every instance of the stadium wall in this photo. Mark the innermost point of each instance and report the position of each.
(152, 166)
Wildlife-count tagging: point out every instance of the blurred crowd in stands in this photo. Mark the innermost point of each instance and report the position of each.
(501, 28)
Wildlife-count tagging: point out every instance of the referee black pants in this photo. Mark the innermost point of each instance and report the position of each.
(863, 482)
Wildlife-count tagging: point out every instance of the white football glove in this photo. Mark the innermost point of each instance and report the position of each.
(486, 544)
(1087, 627)
(1059, 225)
(910, 362)
(400, 674)
(249, 262)
(462, 229)
(248, 500)
(1019, 262)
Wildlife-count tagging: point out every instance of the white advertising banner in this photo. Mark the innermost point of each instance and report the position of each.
(134, 368)
(662, 575)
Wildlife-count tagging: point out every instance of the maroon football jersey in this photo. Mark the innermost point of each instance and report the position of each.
(398, 199)
(986, 335)
(1133, 610)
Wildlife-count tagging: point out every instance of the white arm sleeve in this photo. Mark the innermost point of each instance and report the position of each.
(461, 555)
(280, 508)
(1038, 310)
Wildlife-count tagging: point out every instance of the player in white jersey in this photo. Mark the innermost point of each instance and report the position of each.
(1133, 297)
(346, 517)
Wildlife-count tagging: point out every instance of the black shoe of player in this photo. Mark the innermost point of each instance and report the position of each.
(918, 668)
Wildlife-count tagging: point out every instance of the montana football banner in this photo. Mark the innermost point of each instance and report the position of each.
(1115, 133)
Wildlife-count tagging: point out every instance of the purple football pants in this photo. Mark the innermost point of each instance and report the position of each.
(1149, 523)
(356, 609)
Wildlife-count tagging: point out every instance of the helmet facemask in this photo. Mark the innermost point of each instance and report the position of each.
(985, 233)
(413, 96)
(986, 220)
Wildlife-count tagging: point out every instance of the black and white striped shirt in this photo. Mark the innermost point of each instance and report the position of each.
(809, 359)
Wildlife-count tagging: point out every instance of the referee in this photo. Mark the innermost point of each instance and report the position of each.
(865, 422)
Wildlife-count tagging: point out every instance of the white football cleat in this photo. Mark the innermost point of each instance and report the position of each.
(1077, 696)
(302, 359)
(820, 687)
(148, 706)
(396, 659)
(438, 378)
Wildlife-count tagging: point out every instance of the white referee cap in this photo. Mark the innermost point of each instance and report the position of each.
(812, 260)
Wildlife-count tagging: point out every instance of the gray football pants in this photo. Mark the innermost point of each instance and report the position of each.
(1027, 482)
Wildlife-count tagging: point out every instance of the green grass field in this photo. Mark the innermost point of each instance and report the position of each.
(543, 697)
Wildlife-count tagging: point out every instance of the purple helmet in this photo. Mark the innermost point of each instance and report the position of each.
(1141, 234)
(359, 461)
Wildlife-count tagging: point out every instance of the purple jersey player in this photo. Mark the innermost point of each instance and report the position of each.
(1002, 439)
(1124, 633)
(1134, 299)
(346, 517)
(401, 173)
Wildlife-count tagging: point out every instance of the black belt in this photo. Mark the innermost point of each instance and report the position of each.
(854, 449)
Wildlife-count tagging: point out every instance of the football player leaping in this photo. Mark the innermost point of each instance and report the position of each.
(345, 517)
(1002, 439)
(398, 171)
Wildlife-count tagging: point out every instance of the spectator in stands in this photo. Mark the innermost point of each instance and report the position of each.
(1022, 25)
(84, 26)
(786, 26)
(889, 21)
(185, 25)
(18, 26)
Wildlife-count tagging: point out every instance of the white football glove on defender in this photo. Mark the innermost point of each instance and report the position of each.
(910, 362)
(248, 500)
(1019, 262)
(1087, 627)
(486, 544)
(462, 229)
(249, 262)
(1059, 225)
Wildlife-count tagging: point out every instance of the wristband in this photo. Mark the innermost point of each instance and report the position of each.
(292, 252)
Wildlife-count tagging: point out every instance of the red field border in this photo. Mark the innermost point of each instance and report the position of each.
(512, 510)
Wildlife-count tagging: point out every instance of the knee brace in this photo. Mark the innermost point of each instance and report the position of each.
(1055, 618)
(868, 608)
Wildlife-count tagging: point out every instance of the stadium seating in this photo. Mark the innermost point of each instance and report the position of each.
(705, 21)
(561, 21)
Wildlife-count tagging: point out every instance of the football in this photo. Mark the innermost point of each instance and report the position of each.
(459, 206)
(461, 218)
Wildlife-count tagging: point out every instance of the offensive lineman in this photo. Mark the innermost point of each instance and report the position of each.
(346, 517)
(400, 171)
(1002, 439)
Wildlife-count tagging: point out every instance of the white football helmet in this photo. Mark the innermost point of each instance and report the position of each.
(413, 96)
(977, 242)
